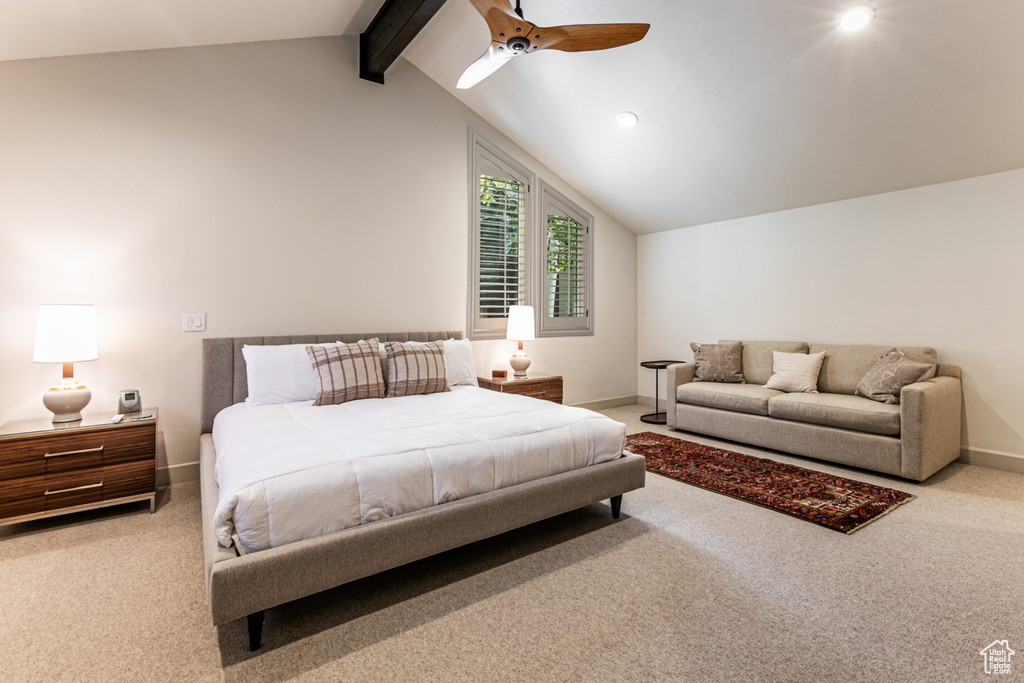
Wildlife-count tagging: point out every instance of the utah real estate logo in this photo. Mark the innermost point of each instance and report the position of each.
(997, 657)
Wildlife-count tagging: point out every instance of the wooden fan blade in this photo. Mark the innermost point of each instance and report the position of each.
(583, 37)
(491, 61)
(503, 21)
(484, 7)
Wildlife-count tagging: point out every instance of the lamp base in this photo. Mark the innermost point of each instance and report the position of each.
(520, 362)
(66, 399)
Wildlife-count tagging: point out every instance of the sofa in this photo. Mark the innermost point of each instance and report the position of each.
(913, 438)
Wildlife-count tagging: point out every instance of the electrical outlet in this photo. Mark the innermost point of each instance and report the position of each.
(193, 322)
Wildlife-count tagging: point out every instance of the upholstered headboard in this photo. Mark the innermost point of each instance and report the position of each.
(224, 378)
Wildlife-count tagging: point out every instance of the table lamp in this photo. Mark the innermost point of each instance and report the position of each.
(66, 334)
(520, 328)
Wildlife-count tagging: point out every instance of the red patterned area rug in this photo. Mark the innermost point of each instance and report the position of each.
(823, 499)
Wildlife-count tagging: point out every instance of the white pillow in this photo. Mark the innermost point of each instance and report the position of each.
(459, 365)
(279, 374)
(795, 372)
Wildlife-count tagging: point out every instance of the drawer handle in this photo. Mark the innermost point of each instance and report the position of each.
(76, 488)
(537, 393)
(98, 449)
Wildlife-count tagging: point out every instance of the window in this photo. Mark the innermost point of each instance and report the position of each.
(499, 263)
(525, 254)
(566, 266)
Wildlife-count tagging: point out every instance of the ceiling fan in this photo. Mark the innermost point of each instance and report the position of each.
(512, 36)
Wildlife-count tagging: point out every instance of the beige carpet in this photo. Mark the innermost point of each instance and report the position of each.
(688, 585)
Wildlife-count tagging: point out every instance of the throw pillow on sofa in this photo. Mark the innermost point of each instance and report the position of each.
(795, 372)
(890, 374)
(718, 362)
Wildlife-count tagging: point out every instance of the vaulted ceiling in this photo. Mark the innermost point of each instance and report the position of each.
(744, 107)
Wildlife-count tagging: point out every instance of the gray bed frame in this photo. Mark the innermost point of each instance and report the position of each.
(246, 585)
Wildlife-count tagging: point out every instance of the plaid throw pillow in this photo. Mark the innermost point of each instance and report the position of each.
(346, 372)
(415, 369)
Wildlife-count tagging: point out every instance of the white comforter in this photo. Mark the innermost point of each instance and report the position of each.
(294, 471)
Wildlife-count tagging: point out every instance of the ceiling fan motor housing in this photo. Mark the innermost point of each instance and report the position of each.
(518, 44)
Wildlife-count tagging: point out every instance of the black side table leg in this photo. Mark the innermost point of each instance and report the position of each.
(657, 417)
(657, 392)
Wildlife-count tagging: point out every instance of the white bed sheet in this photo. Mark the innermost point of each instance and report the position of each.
(294, 471)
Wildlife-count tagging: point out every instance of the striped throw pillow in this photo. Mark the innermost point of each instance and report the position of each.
(415, 369)
(795, 372)
(346, 372)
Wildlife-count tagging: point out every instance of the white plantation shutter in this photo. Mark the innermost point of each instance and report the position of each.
(499, 273)
(566, 266)
(523, 252)
(502, 247)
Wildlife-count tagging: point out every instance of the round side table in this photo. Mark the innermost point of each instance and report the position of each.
(657, 417)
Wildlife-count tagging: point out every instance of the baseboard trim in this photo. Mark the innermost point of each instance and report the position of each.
(994, 460)
(605, 404)
(176, 474)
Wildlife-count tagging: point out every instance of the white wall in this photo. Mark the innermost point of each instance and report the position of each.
(267, 186)
(939, 266)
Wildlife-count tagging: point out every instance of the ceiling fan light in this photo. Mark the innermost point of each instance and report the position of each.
(856, 18)
(627, 119)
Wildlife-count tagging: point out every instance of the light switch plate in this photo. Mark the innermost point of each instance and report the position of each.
(193, 322)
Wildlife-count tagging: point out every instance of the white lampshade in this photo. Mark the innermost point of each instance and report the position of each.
(66, 333)
(520, 323)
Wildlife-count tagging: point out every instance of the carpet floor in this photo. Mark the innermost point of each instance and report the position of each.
(688, 585)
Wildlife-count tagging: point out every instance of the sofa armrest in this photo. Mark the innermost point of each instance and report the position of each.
(929, 426)
(679, 373)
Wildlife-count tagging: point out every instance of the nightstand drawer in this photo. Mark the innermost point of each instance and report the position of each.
(550, 390)
(31, 495)
(34, 456)
(545, 387)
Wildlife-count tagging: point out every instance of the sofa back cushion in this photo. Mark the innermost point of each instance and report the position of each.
(757, 358)
(846, 364)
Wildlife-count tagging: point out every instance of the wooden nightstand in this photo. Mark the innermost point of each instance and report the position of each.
(48, 469)
(546, 387)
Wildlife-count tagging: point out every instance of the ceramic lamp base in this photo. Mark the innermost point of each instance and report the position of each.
(520, 362)
(67, 399)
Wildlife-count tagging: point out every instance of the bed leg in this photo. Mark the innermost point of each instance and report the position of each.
(616, 506)
(255, 630)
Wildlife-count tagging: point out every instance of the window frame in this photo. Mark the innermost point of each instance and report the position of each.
(482, 153)
(538, 196)
(548, 326)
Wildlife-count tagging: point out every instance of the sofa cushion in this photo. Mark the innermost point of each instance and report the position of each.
(757, 357)
(718, 362)
(739, 398)
(795, 372)
(890, 374)
(837, 410)
(845, 365)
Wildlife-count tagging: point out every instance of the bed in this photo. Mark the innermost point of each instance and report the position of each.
(244, 584)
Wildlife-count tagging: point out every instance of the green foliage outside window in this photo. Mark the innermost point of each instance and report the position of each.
(564, 283)
(502, 257)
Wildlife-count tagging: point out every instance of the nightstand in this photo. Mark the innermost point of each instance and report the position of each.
(51, 469)
(545, 387)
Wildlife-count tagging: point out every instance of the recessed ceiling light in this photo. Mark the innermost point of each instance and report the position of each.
(856, 18)
(627, 119)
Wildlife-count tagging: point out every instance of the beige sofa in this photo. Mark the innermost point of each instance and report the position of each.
(913, 439)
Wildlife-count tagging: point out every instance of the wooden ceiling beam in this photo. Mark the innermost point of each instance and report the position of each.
(390, 32)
